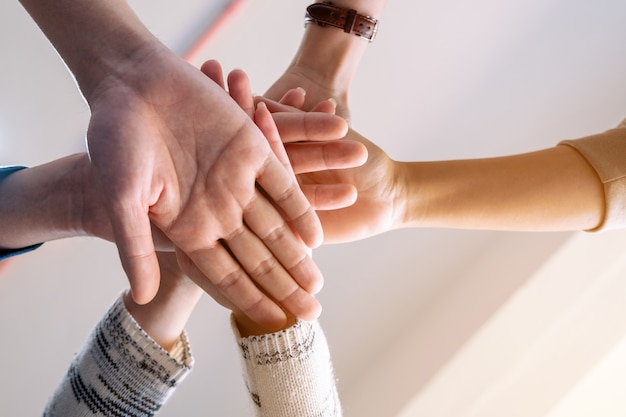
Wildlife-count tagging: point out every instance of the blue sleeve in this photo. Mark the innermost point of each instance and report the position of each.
(7, 253)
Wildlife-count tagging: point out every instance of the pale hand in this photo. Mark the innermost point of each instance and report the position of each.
(171, 147)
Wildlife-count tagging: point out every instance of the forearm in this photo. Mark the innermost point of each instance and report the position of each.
(331, 54)
(549, 190)
(43, 203)
(327, 60)
(96, 39)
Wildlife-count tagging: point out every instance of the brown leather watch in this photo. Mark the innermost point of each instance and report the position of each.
(327, 14)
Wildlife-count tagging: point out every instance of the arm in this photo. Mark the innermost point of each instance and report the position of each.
(549, 190)
(554, 189)
(18, 250)
(571, 186)
(32, 214)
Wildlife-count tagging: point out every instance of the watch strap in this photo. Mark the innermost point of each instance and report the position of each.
(349, 20)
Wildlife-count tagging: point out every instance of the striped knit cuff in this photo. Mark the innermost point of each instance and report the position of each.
(121, 371)
(175, 365)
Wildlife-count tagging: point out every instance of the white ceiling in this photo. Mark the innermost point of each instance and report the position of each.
(451, 79)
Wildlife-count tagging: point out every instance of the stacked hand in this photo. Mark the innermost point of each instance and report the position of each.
(171, 148)
(279, 265)
(321, 154)
(379, 206)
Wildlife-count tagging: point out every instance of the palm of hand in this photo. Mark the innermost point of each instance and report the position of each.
(177, 151)
(168, 149)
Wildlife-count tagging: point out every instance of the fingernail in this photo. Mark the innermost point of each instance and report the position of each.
(332, 100)
(261, 105)
(302, 90)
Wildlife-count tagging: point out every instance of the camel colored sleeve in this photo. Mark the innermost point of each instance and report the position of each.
(606, 153)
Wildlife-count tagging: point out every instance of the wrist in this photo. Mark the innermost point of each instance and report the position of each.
(329, 54)
(328, 57)
(247, 327)
(125, 72)
(165, 317)
(97, 40)
(408, 203)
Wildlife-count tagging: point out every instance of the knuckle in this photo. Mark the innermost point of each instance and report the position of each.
(276, 234)
(299, 265)
(235, 230)
(229, 281)
(265, 269)
(287, 194)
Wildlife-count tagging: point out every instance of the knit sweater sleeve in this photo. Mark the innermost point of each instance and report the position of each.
(606, 153)
(289, 373)
(121, 371)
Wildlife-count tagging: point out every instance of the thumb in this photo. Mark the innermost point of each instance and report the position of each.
(133, 237)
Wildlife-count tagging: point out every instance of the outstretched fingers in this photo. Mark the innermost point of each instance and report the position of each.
(276, 279)
(285, 192)
(289, 250)
(219, 275)
(264, 121)
(323, 156)
(295, 127)
(277, 178)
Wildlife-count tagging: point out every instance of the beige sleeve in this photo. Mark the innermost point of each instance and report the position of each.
(606, 152)
(289, 373)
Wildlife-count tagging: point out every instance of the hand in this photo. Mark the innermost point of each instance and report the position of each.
(373, 212)
(294, 127)
(171, 147)
(312, 138)
(378, 207)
